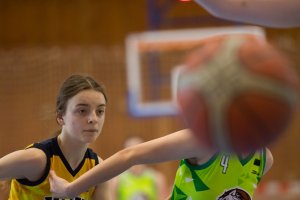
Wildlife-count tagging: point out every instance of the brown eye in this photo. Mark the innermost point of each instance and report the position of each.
(100, 112)
(81, 111)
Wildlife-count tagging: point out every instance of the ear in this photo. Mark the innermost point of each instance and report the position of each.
(60, 120)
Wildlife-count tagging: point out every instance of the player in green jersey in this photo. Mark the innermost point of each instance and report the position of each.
(223, 176)
(203, 172)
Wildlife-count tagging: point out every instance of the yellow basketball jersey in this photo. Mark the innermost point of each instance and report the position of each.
(23, 189)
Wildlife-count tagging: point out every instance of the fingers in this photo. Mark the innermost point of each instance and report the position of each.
(58, 185)
(51, 181)
(52, 173)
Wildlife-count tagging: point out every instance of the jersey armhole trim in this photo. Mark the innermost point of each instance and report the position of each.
(202, 166)
(264, 160)
(45, 174)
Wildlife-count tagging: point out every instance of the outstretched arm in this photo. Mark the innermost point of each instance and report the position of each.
(271, 13)
(102, 191)
(178, 145)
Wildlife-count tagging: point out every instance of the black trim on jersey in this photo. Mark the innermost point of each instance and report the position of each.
(50, 147)
(66, 163)
(263, 154)
(92, 155)
(44, 146)
(88, 154)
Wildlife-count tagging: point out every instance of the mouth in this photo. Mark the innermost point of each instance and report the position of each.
(91, 131)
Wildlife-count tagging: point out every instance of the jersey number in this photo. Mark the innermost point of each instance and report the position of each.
(224, 163)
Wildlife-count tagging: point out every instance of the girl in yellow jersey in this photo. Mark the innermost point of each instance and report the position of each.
(80, 109)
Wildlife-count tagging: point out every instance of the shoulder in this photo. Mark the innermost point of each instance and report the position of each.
(47, 146)
(269, 160)
(29, 159)
(36, 156)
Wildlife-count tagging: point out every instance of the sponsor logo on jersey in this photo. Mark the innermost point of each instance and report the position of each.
(235, 194)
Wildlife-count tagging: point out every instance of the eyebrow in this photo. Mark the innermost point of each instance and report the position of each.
(84, 104)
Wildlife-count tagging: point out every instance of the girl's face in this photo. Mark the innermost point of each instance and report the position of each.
(84, 116)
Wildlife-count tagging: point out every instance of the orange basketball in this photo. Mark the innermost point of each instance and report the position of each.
(237, 92)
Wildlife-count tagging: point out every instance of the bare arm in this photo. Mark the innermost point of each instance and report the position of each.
(19, 164)
(102, 191)
(272, 13)
(178, 145)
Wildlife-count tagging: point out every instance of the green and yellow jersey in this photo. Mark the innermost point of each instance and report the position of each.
(23, 189)
(224, 176)
(142, 186)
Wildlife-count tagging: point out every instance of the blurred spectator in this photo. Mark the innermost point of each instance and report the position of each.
(278, 190)
(140, 182)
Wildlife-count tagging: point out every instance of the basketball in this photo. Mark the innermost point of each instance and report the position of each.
(237, 92)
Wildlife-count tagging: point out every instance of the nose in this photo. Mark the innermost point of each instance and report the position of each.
(92, 117)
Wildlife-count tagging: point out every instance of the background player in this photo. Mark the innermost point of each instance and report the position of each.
(139, 182)
(80, 109)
